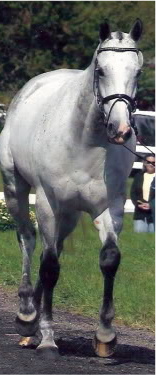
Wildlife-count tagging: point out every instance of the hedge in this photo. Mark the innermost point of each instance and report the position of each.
(6, 220)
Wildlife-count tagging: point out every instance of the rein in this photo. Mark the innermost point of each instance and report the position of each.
(139, 156)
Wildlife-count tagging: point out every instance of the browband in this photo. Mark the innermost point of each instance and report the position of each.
(118, 49)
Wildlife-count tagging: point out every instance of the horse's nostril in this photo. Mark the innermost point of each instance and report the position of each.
(110, 126)
(111, 130)
(128, 134)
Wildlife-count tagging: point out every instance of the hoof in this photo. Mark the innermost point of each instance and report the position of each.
(48, 352)
(104, 349)
(26, 342)
(27, 328)
(30, 342)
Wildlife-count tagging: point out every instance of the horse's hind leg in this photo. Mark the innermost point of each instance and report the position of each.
(16, 191)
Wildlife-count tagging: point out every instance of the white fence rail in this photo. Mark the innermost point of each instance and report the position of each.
(143, 149)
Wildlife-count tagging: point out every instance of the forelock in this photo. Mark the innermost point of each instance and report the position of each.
(119, 35)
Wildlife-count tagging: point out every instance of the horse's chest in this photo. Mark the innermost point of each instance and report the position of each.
(93, 196)
(81, 192)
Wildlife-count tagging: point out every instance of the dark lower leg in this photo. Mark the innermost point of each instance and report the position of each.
(109, 262)
(49, 273)
(27, 316)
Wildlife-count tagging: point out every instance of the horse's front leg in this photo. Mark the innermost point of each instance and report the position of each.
(48, 223)
(105, 338)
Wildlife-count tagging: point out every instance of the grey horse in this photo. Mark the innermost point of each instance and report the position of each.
(65, 135)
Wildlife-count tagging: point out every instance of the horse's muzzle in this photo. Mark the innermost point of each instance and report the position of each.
(120, 137)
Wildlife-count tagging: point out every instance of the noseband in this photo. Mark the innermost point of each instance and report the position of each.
(131, 103)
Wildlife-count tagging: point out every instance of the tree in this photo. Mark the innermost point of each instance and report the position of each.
(38, 36)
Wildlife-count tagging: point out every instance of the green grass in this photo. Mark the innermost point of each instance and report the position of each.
(80, 284)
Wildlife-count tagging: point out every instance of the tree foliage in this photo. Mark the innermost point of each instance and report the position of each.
(38, 36)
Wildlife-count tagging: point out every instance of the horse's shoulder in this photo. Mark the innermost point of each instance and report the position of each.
(56, 77)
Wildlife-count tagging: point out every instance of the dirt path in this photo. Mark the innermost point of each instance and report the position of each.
(73, 333)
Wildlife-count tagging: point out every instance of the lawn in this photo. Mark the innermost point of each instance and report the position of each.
(80, 285)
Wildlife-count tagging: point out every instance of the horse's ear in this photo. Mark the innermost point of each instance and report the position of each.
(136, 30)
(104, 31)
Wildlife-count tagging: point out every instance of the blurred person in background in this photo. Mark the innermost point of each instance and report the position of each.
(152, 199)
(143, 196)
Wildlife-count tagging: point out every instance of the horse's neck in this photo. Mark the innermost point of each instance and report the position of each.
(94, 131)
(89, 124)
(86, 94)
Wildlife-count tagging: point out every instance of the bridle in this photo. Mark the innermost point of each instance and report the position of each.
(130, 102)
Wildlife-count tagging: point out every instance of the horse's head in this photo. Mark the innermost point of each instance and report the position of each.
(117, 68)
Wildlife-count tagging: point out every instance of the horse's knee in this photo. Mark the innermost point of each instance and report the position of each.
(109, 258)
(26, 233)
(117, 224)
(49, 270)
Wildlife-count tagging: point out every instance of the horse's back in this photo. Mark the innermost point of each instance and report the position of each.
(31, 111)
(41, 87)
(41, 101)
(38, 101)
(54, 80)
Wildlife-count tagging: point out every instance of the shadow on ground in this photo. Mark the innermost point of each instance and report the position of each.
(82, 347)
(74, 333)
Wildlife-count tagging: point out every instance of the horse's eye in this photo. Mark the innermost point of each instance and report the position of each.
(101, 73)
(139, 73)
